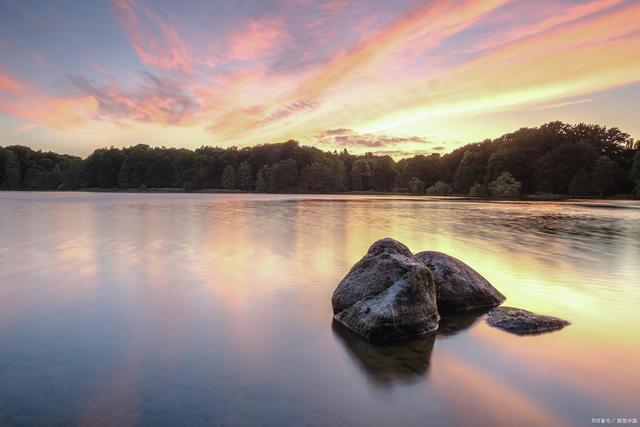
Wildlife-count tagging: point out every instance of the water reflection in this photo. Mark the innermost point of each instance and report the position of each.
(391, 363)
(454, 323)
(405, 361)
(194, 309)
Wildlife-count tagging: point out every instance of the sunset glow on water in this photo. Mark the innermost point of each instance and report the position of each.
(173, 309)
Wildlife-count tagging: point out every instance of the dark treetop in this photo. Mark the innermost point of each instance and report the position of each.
(578, 160)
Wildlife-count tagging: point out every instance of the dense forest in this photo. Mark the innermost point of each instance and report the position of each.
(556, 158)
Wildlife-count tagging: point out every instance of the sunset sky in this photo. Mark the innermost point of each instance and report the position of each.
(397, 77)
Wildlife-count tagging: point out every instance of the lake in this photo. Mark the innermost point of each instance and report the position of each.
(208, 309)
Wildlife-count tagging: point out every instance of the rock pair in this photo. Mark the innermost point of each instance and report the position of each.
(392, 294)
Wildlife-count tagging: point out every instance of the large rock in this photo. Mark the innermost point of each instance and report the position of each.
(523, 322)
(458, 286)
(389, 294)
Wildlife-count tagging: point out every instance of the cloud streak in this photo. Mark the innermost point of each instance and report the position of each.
(155, 100)
(561, 104)
(378, 143)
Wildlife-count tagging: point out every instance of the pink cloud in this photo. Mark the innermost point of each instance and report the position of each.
(156, 42)
(155, 99)
(9, 85)
(258, 39)
(26, 128)
(302, 72)
(557, 15)
(426, 24)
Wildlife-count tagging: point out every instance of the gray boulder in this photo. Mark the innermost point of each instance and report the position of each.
(389, 294)
(458, 286)
(523, 322)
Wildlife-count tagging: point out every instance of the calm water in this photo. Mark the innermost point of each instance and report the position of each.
(198, 309)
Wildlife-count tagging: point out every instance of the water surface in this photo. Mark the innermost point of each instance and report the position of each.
(203, 309)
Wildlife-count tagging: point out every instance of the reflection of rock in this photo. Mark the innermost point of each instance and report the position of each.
(388, 294)
(453, 323)
(458, 286)
(523, 322)
(386, 364)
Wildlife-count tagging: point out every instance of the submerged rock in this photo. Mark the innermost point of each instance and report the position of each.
(523, 322)
(389, 294)
(458, 286)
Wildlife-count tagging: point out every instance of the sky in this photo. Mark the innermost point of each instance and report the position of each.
(398, 77)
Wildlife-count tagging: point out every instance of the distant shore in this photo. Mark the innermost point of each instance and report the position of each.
(551, 162)
(536, 197)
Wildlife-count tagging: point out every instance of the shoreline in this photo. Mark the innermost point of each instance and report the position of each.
(462, 197)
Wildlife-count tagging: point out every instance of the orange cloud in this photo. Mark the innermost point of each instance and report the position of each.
(23, 102)
(570, 60)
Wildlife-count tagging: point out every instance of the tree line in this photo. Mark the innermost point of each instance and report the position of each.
(555, 158)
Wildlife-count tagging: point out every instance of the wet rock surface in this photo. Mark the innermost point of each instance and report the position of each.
(458, 286)
(523, 322)
(389, 294)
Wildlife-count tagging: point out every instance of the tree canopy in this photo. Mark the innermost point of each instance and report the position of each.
(416, 185)
(581, 160)
(505, 186)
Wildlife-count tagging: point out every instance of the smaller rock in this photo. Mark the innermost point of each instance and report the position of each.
(523, 322)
